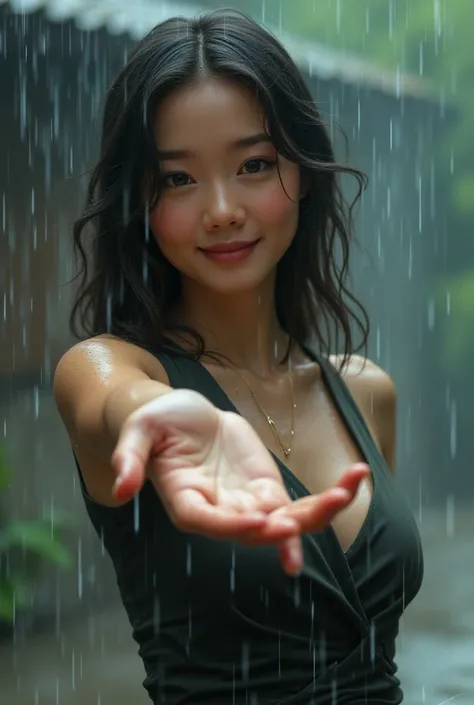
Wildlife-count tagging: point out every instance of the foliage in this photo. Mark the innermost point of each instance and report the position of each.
(24, 544)
(456, 297)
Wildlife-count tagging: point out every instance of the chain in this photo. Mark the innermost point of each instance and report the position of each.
(286, 450)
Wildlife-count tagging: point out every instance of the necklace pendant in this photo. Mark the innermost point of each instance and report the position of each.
(285, 450)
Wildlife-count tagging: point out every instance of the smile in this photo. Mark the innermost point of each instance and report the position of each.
(229, 252)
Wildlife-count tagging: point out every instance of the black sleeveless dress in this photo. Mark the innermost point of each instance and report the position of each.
(222, 624)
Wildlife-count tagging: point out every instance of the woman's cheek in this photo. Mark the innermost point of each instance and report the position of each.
(274, 206)
(172, 223)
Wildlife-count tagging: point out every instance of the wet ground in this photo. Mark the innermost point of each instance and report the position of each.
(94, 661)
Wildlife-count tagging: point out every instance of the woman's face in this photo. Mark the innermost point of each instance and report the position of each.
(230, 205)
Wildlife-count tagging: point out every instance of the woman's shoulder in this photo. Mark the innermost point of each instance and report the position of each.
(108, 352)
(374, 392)
(365, 376)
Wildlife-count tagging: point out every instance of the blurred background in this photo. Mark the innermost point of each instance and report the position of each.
(397, 76)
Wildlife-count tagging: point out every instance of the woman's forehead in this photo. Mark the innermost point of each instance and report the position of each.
(218, 110)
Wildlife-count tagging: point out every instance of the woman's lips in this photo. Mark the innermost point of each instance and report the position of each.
(229, 252)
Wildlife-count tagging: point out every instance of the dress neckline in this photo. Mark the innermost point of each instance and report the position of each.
(329, 377)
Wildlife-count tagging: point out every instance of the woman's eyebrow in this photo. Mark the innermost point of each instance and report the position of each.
(241, 143)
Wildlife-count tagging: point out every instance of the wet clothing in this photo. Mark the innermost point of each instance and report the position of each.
(218, 623)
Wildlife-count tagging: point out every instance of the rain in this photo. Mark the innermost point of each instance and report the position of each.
(397, 77)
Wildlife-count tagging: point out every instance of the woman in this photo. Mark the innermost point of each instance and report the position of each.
(223, 458)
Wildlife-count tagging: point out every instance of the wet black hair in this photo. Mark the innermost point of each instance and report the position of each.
(126, 285)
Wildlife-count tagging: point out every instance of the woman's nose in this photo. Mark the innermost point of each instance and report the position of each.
(223, 211)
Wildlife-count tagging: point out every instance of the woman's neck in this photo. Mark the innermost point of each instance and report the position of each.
(243, 329)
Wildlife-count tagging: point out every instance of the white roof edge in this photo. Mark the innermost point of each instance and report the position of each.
(139, 17)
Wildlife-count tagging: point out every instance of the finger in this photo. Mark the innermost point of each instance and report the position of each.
(291, 555)
(353, 477)
(240, 500)
(129, 461)
(315, 512)
(271, 533)
(192, 513)
(269, 494)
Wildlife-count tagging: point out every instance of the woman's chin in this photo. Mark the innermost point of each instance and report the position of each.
(229, 284)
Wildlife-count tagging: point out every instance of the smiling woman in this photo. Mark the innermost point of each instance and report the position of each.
(233, 198)
(222, 458)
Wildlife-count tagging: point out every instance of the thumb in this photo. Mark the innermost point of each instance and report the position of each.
(129, 461)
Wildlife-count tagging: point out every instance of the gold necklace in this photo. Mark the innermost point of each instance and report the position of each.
(286, 450)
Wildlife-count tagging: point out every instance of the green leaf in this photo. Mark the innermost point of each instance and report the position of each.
(14, 595)
(21, 589)
(463, 193)
(36, 538)
(458, 333)
(7, 604)
(5, 475)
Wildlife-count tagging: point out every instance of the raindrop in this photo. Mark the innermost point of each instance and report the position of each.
(79, 569)
(450, 515)
(108, 313)
(245, 661)
(372, 642)
(420, 204)
(190, 624)
(232, 573)
(297, 592)
(338, 15)
(431, 315)
(73, 670)
(136, 513)
(453, 430)
(36, 401)
(188, 560)
(390, 19)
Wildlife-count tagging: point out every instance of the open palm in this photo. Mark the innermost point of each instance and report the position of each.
(215, 477)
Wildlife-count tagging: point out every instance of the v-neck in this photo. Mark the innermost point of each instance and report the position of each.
(350, 422)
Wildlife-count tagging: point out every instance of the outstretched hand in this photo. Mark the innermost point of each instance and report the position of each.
(216, 478)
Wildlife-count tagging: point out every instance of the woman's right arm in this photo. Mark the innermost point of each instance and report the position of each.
(97, 385)
(212, 472)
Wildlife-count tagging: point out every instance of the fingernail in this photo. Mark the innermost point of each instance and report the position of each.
(121, 479)
(296, 560)
(117, 485)
(341, 493)
(287, 523)
(258, 517)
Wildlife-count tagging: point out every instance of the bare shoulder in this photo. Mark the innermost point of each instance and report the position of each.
(100, 364)
(365, 376)
(374, 392)
(85, 378)
(103, 354)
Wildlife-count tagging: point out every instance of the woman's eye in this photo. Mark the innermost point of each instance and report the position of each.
(176, 179)
(255, 166)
